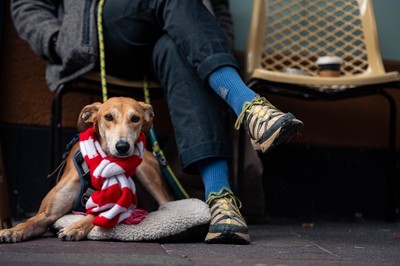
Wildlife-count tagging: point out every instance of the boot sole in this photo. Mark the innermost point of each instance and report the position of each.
(228, 238)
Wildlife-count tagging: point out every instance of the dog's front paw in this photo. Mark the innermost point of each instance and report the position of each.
(10, 236)
(72, 234)
(77, 230)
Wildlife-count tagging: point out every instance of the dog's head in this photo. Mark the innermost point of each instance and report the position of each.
(117, 123)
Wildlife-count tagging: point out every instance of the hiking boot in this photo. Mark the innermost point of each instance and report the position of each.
(227, 225)
(266, 125)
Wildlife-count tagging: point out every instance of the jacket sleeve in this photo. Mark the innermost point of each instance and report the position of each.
(222, 12)
(37, 23)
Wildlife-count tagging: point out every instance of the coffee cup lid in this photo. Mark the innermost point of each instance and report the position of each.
(324, 60)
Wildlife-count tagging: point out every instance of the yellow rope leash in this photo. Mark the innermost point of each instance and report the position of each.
(101, 50)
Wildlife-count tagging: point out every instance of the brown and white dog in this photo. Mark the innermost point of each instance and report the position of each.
(118, 120)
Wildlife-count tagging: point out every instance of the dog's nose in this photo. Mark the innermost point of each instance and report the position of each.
(122, 147)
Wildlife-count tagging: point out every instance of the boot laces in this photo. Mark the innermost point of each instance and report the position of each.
(248, 105)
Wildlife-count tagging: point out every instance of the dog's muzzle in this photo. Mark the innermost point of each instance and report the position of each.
(122, 147)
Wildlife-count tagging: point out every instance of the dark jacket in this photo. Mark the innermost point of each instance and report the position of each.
(64, 34)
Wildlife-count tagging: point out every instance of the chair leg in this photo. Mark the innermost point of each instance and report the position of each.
(392, 184)
(55, 127)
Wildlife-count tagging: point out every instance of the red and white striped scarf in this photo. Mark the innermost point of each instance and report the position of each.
(115, 196)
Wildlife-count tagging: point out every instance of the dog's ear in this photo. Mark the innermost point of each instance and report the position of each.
(148, 116)
(88, 116)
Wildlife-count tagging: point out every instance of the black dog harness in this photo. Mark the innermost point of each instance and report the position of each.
(86, 189)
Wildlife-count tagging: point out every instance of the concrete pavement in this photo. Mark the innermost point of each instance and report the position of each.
(361, 243)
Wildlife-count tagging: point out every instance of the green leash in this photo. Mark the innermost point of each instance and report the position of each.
(177, 189)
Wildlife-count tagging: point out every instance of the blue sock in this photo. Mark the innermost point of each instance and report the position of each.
(214, 172)
(227, 83)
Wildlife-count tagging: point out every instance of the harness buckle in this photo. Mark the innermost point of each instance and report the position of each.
(85, 197)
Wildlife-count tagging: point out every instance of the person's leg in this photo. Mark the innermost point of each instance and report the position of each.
(201, 140)
(130, 33)
(214, 173)
(194, 109)
(266, 125)
(206, 48)
(197, 122)
(229, 86)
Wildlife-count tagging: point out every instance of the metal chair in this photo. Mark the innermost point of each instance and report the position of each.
(286, 38)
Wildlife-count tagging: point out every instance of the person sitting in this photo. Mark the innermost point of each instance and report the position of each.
(183, 46)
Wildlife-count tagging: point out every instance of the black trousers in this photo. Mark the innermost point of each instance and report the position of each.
(180, 43)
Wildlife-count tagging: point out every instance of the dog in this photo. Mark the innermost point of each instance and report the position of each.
(117, 124)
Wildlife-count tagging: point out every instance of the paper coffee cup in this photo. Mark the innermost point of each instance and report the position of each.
(329, 66)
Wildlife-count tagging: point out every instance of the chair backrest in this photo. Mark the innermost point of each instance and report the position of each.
(292, 34)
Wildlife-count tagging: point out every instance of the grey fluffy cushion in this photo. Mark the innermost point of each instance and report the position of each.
(181, 220)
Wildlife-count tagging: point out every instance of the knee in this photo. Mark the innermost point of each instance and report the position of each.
(164, 46)
(165, 54)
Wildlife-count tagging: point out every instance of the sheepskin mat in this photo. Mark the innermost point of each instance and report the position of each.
(181, 220)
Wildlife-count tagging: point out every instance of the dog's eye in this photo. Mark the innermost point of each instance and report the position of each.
(135, 119)
(108, 117)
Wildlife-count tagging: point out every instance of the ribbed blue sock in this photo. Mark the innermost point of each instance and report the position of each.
(214, 172)
(227, 83)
